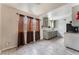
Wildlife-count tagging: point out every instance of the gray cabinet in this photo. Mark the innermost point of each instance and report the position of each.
(49, 34)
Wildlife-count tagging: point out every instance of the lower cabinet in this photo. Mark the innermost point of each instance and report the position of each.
(49, 34)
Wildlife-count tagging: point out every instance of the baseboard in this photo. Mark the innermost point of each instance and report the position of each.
(72, 49)
(8, 48)
(0, 51)
(41, 39)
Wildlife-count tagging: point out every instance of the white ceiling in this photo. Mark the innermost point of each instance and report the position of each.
(62, 12)
(36, 8)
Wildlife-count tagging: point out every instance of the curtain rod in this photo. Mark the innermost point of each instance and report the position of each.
(28, 16)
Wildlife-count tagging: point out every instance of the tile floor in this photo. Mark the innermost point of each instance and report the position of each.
(45, 47)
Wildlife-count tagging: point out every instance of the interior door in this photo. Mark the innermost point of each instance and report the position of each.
(21, 30)
(37, 32)
(29, 29)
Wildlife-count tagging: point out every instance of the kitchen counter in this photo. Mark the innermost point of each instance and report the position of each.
(48, 34)
(72, 40)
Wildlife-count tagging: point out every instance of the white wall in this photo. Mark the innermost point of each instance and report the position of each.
(61, 27)
(0, 29)
(59, 14)
(9, 27)
(9, 22)
(64, 12)
(61, 24)
(41, 29)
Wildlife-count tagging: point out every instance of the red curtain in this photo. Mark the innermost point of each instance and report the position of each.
(21, 31)
(30, 24)
(21, 23)
(30, 29)
(37, 24)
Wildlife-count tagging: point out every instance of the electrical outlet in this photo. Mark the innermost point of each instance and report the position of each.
(0, 51)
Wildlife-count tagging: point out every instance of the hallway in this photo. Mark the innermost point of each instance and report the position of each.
(45, 47)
